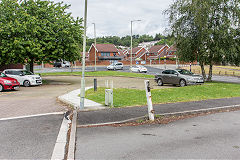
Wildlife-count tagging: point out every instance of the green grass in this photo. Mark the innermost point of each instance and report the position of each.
(133, 97)
(100, 74)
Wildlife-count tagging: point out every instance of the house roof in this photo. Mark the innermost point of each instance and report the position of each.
(135, 50)
(155, 49)
(121, 52)
(106, 48)
(173, 48)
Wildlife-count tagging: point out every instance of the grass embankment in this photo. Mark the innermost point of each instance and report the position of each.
(132, 97)
(217, 70)
(100, 74)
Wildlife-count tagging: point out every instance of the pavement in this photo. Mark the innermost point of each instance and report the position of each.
(73, 99)
(121, 114)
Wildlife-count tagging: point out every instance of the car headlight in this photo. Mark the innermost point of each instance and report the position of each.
(7, 82)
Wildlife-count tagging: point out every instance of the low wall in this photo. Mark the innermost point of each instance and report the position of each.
(11, 66)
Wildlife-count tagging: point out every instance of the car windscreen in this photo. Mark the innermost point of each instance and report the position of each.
(27, 72)
(185, 72)
(2, 75)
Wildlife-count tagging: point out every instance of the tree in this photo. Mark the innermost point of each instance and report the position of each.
(202, 30)
(34, 31)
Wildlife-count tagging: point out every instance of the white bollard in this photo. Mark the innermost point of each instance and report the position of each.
(149, 100)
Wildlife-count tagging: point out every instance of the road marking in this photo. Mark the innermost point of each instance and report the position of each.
(29, 116)
(61, 142)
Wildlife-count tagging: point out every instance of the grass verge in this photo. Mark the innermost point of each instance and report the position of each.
(99, 74)
(132, 97)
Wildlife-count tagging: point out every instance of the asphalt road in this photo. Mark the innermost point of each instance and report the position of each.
(152, 70)
(29, 138)
(208, 137)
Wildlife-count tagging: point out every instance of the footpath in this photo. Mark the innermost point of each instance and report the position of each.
(111, 115)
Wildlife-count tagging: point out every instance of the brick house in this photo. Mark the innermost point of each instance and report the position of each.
(137, 52)
(104, 52)
(157, 51)
(172, 51)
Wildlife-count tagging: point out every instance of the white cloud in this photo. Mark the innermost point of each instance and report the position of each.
(112, 17)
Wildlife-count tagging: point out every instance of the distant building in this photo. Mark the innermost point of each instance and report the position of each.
(172, 51)
(104, 52)
(157, 51)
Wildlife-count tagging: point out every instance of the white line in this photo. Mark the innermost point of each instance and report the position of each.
(29, 116)
(59, 148)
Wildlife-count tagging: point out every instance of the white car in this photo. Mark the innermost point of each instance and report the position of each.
(24, 77)
(138, 68)
(115, 66)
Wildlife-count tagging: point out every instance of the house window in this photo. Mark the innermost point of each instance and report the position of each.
(105, 54)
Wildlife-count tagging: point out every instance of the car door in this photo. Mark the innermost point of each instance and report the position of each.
(19, 76)
(166, 76)
(174, 77)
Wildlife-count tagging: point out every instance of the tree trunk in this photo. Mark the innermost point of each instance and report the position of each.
(31, 65)
(203, 70)
(209, 79)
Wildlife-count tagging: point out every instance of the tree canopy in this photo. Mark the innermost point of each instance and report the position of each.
(34, 31)
(205, 31)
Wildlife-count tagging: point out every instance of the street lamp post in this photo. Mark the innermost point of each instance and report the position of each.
(95, 43)
(132, 39)
(82, 94)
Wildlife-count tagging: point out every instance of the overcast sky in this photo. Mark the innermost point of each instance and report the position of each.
(112, 17)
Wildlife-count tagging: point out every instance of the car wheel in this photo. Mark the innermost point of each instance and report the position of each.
(1, 88)
(139, 71)
(26, 83)
(182, 83)
(160, 82)
(114, 69)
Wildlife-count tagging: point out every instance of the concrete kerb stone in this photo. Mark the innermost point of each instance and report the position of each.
(72, 98)
(72, 139)
(59, 148)
(165, 114)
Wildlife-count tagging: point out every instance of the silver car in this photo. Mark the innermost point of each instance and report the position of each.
(115, 66)
(179, 77)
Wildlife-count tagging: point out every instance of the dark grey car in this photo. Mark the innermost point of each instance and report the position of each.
(179, 77)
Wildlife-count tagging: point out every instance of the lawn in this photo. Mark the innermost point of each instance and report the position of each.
(132, 97)
(99, 74)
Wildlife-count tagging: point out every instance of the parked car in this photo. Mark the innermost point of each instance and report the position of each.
(115, 66)
(8, 83)
(63, 64)
(138, 68)
(179, 77)
(24, 77)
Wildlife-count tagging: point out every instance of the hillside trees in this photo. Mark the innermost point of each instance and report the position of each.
(204, 30)
(34, 31)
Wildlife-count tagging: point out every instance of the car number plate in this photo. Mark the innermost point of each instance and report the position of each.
(16, 87)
